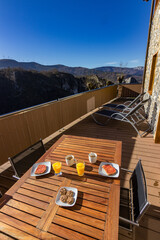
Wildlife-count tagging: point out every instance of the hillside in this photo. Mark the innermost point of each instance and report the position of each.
(109, 73)
(23, 88)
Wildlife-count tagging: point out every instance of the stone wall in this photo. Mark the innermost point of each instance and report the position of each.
(154, 47)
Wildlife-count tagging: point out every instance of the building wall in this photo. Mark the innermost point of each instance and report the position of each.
(154, 105)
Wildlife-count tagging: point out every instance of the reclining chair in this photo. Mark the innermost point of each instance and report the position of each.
(126, 105)
(134, 116)
(133, 201)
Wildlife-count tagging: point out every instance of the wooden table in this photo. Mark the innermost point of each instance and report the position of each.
(29, 210)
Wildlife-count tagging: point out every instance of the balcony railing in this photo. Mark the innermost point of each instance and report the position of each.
(20, 129)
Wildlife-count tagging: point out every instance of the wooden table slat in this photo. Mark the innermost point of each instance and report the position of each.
(67, 233)
(81, 218)
(36, 196)
(25, 207)
(38, 189)
(31, 201)
(14, 232)
(79, 227)
(23, 216)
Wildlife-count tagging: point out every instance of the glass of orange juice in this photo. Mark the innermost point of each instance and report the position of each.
(57, 168)
(80, 165)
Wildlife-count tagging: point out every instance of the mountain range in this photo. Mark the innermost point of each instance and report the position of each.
(25, 84)
(76, 71)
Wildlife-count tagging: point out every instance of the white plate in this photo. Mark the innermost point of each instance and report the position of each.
(58, 201)
(34, 167)
(103, 172)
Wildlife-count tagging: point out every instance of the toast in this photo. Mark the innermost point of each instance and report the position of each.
(109, 169)
(40, 169)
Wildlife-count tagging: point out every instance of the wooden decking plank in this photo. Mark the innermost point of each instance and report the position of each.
(151, 223)
(123, 237)
(5, 182)
(132, 164)
(139, 156)
(126, 233)
(145, 233)
(150, 182)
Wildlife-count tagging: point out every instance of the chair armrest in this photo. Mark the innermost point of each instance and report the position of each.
(129, 221)
(126, 170)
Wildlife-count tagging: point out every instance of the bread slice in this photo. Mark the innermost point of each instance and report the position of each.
(40, 169)
(109, 169)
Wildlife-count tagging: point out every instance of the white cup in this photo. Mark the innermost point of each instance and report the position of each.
(92, 157)
(69, 160)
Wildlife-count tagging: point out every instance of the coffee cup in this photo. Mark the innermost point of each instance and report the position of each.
(92, 157)
(69, 160)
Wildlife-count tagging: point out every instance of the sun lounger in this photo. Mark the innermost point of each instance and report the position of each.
(134, 116)
(125, 106)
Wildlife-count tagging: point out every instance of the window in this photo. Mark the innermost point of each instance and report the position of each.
(156, 4)
(152, 76)
(157, 135)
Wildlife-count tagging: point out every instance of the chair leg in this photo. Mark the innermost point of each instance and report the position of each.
(99, 123)
(134, 233)
(16, 177)
(141, 135)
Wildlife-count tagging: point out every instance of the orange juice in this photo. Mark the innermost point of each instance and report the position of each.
(57, 167)
(80, 168)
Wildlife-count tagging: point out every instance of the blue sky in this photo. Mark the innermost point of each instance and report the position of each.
(75, 32)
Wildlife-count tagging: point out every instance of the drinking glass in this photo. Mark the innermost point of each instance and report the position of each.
(80, 165)
(57, 168)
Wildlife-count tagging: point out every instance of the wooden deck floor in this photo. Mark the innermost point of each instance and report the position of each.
(133, 148)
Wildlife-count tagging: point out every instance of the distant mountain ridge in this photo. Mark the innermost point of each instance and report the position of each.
(76, 71)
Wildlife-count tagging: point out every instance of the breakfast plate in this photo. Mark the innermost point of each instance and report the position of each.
(75, 194)
(103, 172)
(34, 167)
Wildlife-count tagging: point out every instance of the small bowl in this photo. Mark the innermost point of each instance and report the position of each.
(92, 157)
